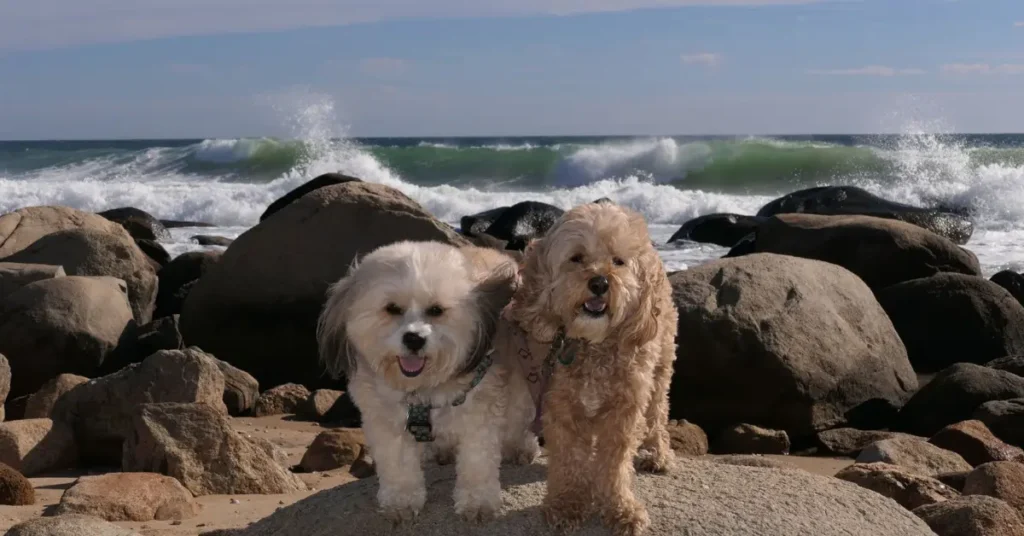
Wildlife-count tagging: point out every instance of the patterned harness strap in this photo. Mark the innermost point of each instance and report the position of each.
(418, 421)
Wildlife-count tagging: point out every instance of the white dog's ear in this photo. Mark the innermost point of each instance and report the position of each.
(336, 354)
(491, 295)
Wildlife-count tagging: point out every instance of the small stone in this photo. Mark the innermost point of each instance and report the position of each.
(687, 439)
(235, 501)
(750, 439)
(15, 489)
(333, 449)
(281, 400)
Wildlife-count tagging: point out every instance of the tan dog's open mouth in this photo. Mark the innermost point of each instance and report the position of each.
(412, 365)
(596, 306)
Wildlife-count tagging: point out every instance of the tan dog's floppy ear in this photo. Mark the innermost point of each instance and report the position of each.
(491, 295)
(642, 323)
(336, 354)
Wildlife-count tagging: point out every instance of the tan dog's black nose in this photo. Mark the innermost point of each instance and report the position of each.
(598, 285)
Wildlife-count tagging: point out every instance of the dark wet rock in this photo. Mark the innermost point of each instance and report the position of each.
(523, 222)
(177, 224)
(138, 223)
(721, 229)
(954, 318)
(1012, 282)
(477, 224)
(1005, 418)
(327, 179)
(155, 252)
(851, 200)
(212, 240)
(177, 279)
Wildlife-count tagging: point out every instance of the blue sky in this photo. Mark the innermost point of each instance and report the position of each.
(225, 68)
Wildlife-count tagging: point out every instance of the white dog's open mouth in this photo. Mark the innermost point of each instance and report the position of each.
(595, 306)
(412, 365)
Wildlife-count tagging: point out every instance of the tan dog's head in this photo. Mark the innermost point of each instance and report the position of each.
(594, 274)
(415, 313)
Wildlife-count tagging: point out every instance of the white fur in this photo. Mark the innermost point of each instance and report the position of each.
(360, 337)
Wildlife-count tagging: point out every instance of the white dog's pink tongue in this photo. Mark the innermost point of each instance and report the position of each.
(412, 364)
(596, 305)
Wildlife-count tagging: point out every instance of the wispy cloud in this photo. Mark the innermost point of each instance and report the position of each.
(384, 66)
(869, 70)
(1019, 24)
(188, 68)
(707, 59)
(962, 69)
(49, 23)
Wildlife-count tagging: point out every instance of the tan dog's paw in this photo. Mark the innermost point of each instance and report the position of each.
(565, 516)
(478, 511)
(628, 520)
(658, 462)
(524, 455)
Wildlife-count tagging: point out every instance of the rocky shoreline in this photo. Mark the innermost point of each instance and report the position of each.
(845, 369)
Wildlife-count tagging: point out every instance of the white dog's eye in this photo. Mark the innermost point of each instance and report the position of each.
(618, 261)
(435, 310)
(393, 309)
(577, 258)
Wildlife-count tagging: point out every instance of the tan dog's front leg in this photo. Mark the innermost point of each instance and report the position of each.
(613, 471)
(569, 496)
(657, 443)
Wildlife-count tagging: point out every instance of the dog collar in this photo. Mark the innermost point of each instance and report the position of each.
(418, 422)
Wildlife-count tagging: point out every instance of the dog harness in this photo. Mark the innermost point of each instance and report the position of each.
(418, 422)
(537, 359)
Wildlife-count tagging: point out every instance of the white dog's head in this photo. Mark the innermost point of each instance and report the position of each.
(415, 313)
(595, 275)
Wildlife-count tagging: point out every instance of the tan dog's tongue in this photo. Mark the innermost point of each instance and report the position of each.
(412, 363)
(596, 305)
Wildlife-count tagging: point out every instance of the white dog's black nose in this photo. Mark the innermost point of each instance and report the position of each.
(413, 341)
(598, 285)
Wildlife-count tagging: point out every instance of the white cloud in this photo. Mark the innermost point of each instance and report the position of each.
(962, 69)
(708, 59)
(869, 70)
(1019, 24)
(27, 24)
(384, 66)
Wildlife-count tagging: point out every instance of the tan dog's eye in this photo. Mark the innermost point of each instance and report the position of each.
(618, 261)
(435, 310)
(577, 258)
(393, 309)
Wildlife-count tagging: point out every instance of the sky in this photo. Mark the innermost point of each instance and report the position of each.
(93, 69)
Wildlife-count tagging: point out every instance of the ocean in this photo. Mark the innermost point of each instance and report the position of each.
(229, 182)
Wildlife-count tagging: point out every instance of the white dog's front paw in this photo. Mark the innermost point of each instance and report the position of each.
(402, 505)
(478, 505)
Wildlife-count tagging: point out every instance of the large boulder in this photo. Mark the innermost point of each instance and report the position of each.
(698, 498)
(139, 223)
(129, 497)
(1005, 418)
(257, 307)
(851, 200)
(722, 229)
(909, 489)
(36, 446)
(851, 441)
(13, 275)
(333, 449)
(241, 390)
(68, 525)
(954, 318)
(102, 411)
(98, 253)
(687, 439)
(40, 404)
(750, 439)
(785, 343)
(156, 254)
(972, 515)
(5, 383)
(1010, 363)
(196, 444)
(177, 279)
(21, 228)
(63, 325)
(881, 252)
(953, 396)
(522, 222)
(327, 179)
(284, 399)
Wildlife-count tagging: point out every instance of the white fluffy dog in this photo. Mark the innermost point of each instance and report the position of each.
(411, 328)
